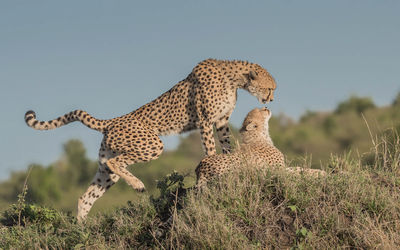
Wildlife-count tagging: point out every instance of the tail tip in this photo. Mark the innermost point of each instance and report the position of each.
(30, 112)
(30, 115)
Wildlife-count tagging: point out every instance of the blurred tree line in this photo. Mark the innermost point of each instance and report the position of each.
(350, 128)
(314, 138)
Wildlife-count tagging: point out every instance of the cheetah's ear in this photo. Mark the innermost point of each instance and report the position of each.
(252, 75)
(251, 126)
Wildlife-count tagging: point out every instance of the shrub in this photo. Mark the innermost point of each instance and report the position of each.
(355, 104)
(396, 101)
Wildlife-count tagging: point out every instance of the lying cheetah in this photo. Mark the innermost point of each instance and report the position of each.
(257, 149)
(206, 97)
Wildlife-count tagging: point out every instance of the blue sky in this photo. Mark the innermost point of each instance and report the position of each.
(111, 57)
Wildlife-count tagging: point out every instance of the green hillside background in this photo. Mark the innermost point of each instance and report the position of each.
(348, 131)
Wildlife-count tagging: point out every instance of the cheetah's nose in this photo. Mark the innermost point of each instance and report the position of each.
(264, 100)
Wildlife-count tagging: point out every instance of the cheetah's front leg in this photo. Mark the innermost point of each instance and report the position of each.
(223, 133)
(207, 138)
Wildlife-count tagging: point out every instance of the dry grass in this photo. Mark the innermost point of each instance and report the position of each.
(277, 209)
(355, 205)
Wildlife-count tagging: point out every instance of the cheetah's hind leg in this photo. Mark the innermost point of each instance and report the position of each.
(118, 166)
(102, 181)
(146, 147)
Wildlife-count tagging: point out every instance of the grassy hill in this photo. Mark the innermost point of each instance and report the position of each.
(356, 205)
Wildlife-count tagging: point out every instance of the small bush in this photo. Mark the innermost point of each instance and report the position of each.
(355, 104)
(171, 190)
(30, 213)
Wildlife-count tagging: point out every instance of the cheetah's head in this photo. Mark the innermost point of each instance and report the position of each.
(255, 126)
(260, 84)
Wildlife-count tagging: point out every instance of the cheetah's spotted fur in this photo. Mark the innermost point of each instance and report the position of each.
(206, 97)
(257, 150)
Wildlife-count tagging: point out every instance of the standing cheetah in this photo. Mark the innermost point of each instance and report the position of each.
(206, 97)
(257, 149)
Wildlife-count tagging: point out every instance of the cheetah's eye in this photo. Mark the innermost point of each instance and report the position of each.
(251, 126)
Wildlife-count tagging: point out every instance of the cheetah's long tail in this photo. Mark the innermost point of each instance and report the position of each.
(77, 115)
